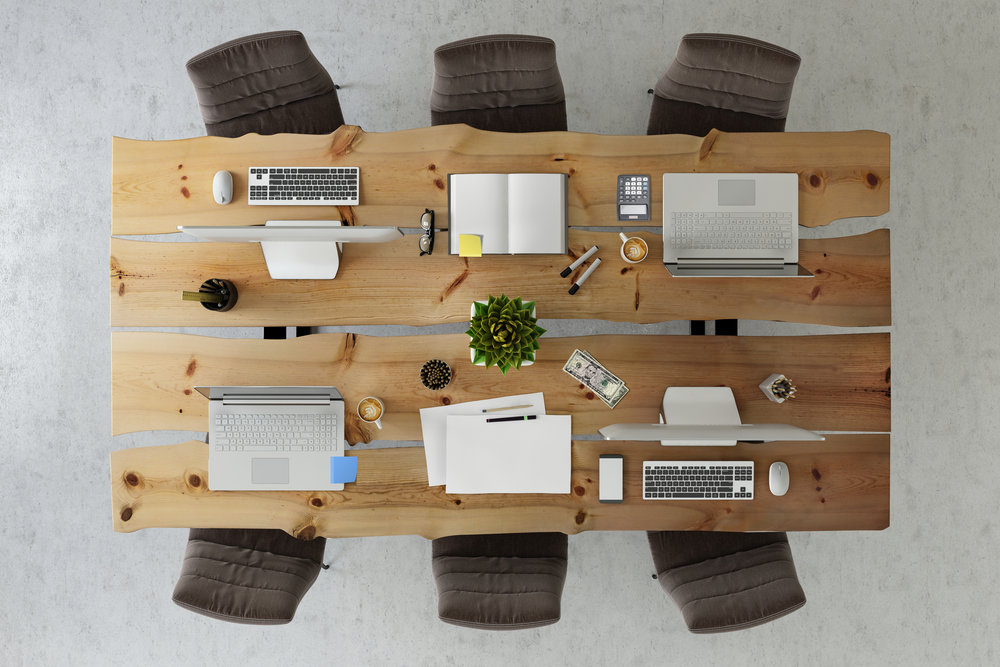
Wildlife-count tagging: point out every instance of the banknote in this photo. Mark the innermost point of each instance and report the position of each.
(602, 382)
(620, 394)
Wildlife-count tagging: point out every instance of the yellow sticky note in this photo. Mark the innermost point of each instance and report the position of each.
(470, 245)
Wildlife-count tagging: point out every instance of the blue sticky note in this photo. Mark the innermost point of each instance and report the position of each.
(343, 469)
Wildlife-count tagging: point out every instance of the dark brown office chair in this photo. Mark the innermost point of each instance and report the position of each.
(729, 82)
(500, 582)
(247, 576)
(727, 581)
(503, 83)
(268, 84)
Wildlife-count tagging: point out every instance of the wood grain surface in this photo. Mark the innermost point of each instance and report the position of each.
(839, 484)
(390, 284)
(158, 185)
(843, 380)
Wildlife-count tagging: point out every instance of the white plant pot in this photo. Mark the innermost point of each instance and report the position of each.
(472, 353)
(765, 387)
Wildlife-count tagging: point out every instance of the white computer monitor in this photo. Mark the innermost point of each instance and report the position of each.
(704, 416)
(707, 434)
(297, 249)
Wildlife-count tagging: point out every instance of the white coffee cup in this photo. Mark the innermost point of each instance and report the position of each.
(370, 410)
(634, 249)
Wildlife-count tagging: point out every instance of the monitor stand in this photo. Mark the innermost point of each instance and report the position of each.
(702, 406)
(304, 260)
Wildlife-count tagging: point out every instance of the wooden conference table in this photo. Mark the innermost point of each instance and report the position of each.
(843, 380)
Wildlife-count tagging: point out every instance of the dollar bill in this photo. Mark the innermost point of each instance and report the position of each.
(620, 394)
(597, 378)
(605, 384)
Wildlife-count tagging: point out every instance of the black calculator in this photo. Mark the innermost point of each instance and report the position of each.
(633, 197)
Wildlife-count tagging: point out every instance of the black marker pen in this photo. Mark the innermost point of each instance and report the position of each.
(511, 419)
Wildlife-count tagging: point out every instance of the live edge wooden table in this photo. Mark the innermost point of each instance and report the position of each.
(844, 380)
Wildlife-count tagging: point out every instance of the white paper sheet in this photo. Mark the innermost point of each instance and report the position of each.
(433, 425)
(536, 213)
(528, 456)
(478, 205)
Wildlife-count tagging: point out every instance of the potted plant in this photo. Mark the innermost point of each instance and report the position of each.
(503, 333)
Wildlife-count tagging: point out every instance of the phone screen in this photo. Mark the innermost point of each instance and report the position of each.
(610, 478)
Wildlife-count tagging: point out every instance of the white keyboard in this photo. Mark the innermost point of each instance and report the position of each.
(731, 231)
(697, 480)
(303, 186)
(274, 433)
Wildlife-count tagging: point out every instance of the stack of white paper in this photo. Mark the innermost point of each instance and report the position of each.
(525, 456)
(433, 423)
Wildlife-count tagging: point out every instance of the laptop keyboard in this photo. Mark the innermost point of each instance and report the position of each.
(731, 231)
(274, 432)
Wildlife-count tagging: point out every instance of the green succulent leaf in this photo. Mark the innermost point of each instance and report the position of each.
(503, 332)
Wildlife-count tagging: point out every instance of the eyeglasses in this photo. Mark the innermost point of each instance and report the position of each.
(426, 240)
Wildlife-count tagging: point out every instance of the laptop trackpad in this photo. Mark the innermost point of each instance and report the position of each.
(269, 471)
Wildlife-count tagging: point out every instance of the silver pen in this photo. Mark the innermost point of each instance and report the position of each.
(583, 258)
(586, 274)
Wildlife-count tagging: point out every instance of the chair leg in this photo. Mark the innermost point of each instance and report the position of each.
(726, 328)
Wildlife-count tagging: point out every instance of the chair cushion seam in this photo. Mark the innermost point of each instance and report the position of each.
(742, 568)
(702, 87)
(249, 39)
(528, 592)
(232, 583)
(248, 565)
(731, 593)
(264, 92)
(259, 71)
(757, 621)
(254, 549)
(496, 71)
(731, 553)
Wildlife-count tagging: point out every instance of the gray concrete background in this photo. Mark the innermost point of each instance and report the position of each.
(74, 592)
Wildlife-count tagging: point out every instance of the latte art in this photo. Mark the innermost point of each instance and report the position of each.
(635, 249)
(370, 409)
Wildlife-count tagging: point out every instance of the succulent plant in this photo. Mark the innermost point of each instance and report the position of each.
(504, 333)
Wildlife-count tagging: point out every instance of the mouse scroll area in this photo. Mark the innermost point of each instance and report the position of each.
(222, 187)
(778, 478)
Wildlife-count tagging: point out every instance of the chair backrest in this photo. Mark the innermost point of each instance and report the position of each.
(728, 82)
(247, 576)
(500, 582)
(266, 83)
(506, 83)
(727, 581)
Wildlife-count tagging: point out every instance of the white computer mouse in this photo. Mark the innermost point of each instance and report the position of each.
(778, 478)
(222, 187)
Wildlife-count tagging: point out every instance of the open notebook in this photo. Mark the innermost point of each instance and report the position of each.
(508, 213)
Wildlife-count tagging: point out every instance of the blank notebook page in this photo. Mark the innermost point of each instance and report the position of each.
(478, 205)
(508, 457)
(536, 211)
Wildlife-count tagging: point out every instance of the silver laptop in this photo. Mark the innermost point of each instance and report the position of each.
(273, 438)
(731, 225)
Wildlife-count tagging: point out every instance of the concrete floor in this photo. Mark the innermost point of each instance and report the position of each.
(921, 592)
